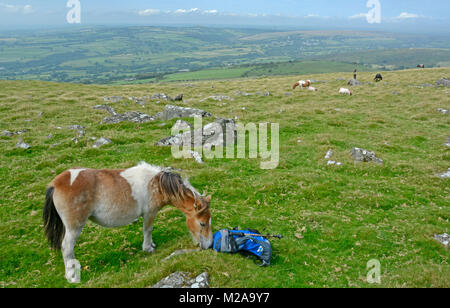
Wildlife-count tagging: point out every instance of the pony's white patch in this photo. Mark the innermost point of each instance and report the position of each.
(74, 173)
(139, 177)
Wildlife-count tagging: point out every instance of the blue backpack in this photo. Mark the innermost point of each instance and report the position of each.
(246, 241)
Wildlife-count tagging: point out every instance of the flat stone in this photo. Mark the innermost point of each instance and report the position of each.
(101, 142)
(22, 145)
(354, 82)
(445, 175)
(132, 116)
(443, 239)
(113, 99)
(184, 280)
(443, 111)
(329, 154)
(361, 155)
(7, 133)
(218, 98)
(75, 127)
(443, 82)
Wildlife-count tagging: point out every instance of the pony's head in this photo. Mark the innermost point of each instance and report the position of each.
(195, 206)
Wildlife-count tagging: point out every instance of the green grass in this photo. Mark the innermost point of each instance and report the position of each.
(345, 215)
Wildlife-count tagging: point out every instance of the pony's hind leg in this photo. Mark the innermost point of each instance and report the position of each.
(73, 268)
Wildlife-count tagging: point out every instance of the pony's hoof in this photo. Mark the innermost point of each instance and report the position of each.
(150, 249)
(73, 271)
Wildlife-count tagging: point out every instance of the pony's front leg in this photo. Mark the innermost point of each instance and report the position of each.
(148, 245)
(73, 267)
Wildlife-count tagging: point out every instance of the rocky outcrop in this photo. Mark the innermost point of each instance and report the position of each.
(131, 116)
(213, 135)
(354, 82)
(174, 112)
(445, 82)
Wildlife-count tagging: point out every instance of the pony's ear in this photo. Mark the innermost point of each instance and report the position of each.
(208, 199)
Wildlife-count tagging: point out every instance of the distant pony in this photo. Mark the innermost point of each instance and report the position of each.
(378, 78)
(345, 91)
(302, 84)
(421, 66)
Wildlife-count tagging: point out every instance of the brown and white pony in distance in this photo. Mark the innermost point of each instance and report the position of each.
(114, 198)
(302, 84)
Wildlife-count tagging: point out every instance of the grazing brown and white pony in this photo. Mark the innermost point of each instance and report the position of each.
(302, 84)
(421, 66)
(345, 91)
(114, 198)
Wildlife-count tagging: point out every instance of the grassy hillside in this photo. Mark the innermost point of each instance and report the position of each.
(334, 219)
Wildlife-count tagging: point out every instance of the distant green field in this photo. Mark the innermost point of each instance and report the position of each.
(269, 69)
(115, 55)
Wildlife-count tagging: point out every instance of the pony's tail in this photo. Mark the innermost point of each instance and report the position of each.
(53, 225)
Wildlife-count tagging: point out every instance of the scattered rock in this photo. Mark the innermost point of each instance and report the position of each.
(174, 112)
(161, 96)
(22, 145)
(340, 79)
(7, 133)
(49, 136)
(113, 99)
(361, 155)
(132, 116)
(288, 94)
(445, 175)
(183, 280)
(333, 163)
(101, 142)
(329, 154)
(443, 82)
(443, 111)
(354, 82)
(448, 142)
(218, 98)
(75, 127)
(75, 140)
(242, 93)
(443, 239)
(106, 108)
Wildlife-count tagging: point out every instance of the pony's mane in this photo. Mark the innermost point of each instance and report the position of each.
(172, 186)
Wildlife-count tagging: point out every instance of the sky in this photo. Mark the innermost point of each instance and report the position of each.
(402, 15)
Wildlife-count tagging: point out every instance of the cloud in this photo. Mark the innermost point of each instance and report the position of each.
(210, 12)
(405, 15)
(183, 11)
(359, 16)
(22, 9)
(149, 12)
